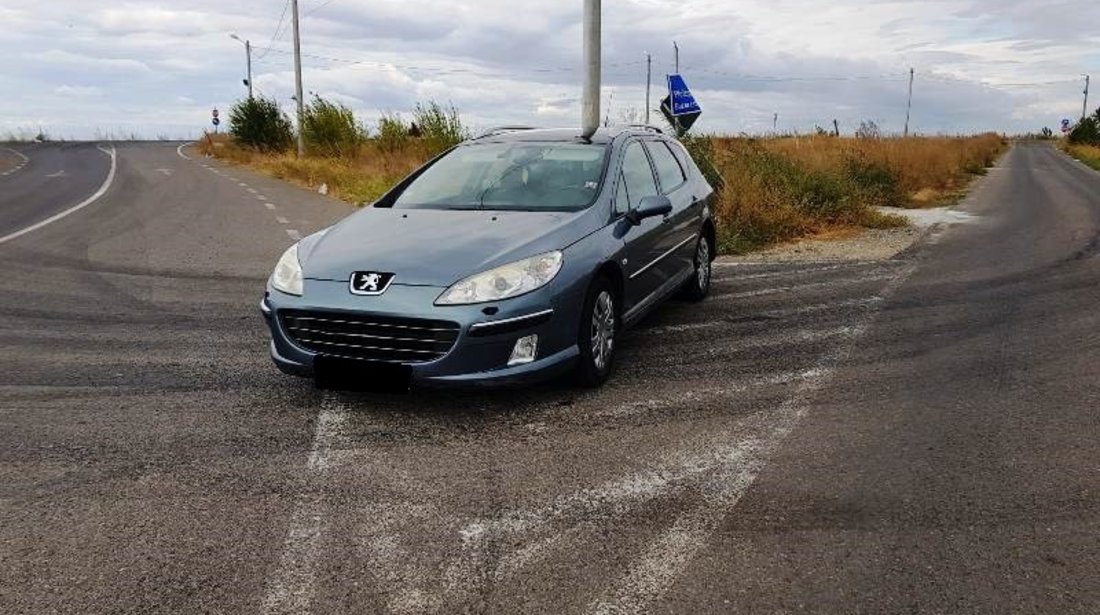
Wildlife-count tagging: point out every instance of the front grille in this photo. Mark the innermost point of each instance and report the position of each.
(370, 338)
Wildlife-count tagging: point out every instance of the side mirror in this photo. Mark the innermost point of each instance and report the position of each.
(650, 207)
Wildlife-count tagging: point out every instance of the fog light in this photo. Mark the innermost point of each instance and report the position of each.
(525, 351)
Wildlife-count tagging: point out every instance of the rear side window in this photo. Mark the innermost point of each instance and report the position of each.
(668, 167)
(638, 175)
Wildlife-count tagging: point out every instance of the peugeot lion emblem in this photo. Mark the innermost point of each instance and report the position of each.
(370, 283)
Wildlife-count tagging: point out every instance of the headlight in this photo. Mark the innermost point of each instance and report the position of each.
(512, 280)
(288, 273)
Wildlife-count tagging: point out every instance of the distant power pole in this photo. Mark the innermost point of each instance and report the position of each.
(1085, 109)
(298, 80)
(648, 83)
(775, 122)
(836, 128)
(909, 108)
(676, 52)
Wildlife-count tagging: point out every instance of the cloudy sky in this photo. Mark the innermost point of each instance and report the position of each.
(84, 69)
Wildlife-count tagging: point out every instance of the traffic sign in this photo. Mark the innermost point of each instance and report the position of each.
(680, 107)
(214, 113)
(683, 103)
(215, 121)
(1066, 125)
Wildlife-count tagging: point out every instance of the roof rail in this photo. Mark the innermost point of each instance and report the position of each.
(499, 130)
(646, 127)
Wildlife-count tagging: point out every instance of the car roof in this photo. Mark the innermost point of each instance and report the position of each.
(603, 136)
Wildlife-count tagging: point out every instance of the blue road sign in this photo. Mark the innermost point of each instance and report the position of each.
(683, 103)
(216, 121)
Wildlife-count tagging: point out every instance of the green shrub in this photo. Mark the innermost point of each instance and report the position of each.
(440, 127)
(1087, 132)
(393, 133)
(259, 123)
(330, 128)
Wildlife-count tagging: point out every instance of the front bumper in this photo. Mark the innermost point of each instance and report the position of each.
(479, 357)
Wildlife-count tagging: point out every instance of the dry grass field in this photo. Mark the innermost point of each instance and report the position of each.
(775, 190)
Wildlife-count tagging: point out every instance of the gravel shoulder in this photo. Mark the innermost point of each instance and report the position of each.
(861, 245)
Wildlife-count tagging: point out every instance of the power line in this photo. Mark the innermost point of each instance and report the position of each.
(278, 32)
(318, 7)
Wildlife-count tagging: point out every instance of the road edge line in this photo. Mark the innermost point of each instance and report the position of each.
(75, 208)
(179, 150)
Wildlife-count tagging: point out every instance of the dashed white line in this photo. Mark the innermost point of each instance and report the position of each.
(294, 234)
(270, 206)
(23, 160)
(281, 220)
(260, 197)
(88, 201)
(251, 190)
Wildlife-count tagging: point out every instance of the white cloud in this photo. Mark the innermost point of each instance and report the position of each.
(155, 68)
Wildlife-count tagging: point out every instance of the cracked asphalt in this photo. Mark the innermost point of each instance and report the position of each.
(917, 434)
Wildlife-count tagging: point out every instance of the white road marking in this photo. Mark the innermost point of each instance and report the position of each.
(165, 172)
(294, 234)
(260, 197)
(270, 206)
(290, 590)
(58, 174)
(179, 151)
(242, 184)
(798, 270)
(281, 220)
(88, 201)
(650, 577)
(878, 277)
(252, 190)
(23, 160)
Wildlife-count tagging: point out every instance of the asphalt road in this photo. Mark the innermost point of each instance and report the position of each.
(912, 435)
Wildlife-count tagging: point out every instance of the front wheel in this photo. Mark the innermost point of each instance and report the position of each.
(698, 285)
(598, 329)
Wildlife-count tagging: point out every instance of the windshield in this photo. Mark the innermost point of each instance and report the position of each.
(510, 176)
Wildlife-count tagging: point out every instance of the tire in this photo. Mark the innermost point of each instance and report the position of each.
(698, 285)
(597, 335)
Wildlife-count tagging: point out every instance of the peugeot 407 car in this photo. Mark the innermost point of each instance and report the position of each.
(517, 256)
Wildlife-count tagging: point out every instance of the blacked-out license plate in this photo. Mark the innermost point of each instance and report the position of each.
(336, 374)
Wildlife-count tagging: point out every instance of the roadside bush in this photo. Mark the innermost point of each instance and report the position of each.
(260, 124)
(1087, 132)
(330, 128)
(393, 133)
(440, 127)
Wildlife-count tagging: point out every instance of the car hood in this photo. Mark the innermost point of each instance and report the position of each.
(433, 247)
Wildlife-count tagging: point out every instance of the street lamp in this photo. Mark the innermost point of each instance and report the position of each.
(248, 57)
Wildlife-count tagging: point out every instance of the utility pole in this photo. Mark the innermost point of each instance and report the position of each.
(775, 122)
(590, 101)
(909, 108)
(248, 58)
(298, 79)
(1085, 109)
(836, 127)
(648, 83)
(676, 51)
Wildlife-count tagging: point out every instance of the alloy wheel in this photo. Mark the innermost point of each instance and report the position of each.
(702, 264)
(603, 330)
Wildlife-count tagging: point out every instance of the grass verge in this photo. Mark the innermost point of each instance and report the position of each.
(1088, 154)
